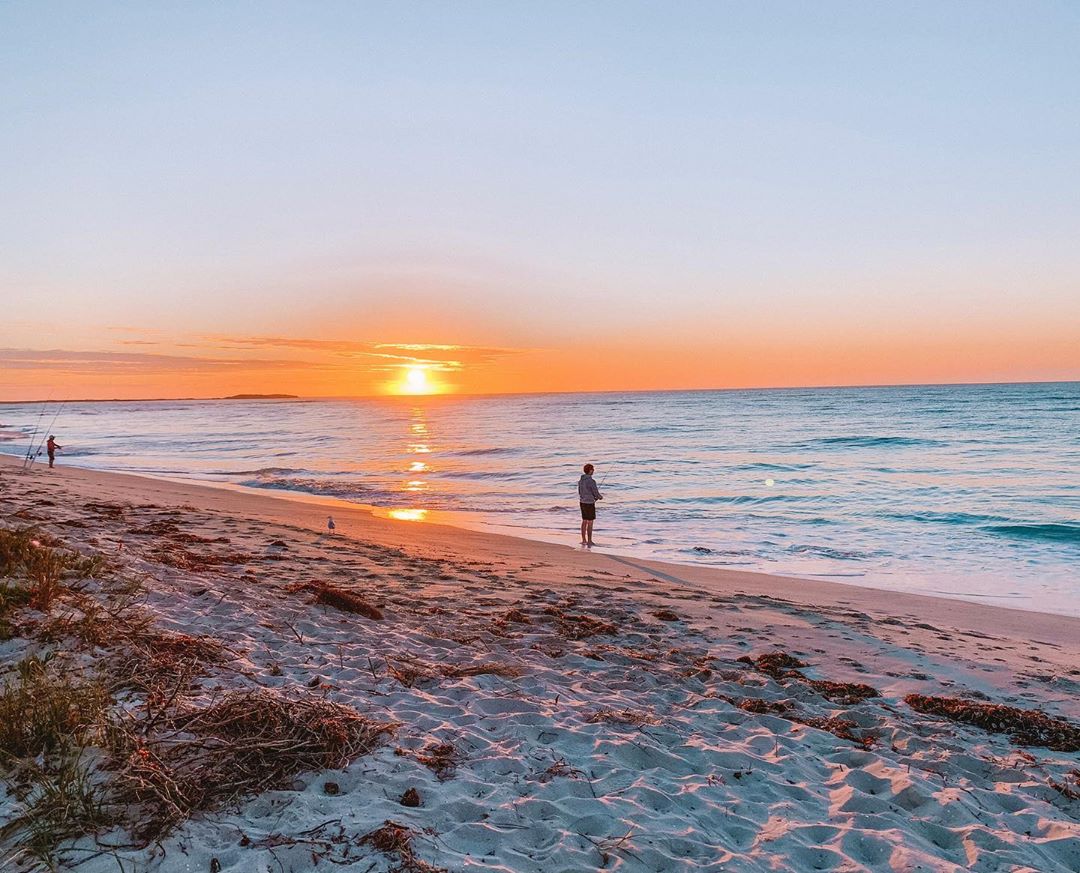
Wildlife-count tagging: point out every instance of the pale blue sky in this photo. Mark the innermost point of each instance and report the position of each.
(330, 168)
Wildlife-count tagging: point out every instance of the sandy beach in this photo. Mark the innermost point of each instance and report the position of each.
(531, 707)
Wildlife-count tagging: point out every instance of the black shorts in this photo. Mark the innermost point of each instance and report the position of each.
(588, 511)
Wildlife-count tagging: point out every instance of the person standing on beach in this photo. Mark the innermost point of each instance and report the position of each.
(51, 446)
(588, 494)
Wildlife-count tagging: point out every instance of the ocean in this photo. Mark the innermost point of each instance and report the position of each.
(957, 491)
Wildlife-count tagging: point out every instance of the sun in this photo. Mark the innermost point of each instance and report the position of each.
(416, 381)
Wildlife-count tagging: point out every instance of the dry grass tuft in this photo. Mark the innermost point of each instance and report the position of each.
(60, 801)
(1025, 727)
(15, 548)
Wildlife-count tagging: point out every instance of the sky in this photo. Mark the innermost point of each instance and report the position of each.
(203, 198)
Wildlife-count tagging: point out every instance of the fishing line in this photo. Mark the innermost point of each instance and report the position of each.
(33, 436)
(608, 473)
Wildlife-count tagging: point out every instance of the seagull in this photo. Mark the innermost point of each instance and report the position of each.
(330, 523)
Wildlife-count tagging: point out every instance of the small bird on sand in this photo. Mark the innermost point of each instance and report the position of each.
(330, 526)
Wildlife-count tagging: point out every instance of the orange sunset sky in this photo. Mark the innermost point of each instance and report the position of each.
(352, 199)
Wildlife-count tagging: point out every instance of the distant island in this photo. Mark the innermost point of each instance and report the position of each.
(262, 397)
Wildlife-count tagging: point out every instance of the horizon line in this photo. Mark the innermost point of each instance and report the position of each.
(414, 397)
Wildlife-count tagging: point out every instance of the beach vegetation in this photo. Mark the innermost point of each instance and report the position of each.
(45, 708)
(12, 598)
(30, 555)
(50, 718)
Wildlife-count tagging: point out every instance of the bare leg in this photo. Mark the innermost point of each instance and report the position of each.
(584, 532)
(588, 526)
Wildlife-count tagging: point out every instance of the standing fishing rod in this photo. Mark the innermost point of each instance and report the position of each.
(33, 436)
(47, 430)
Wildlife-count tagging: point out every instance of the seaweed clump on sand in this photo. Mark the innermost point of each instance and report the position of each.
(395, 840)
(1025, 727)
(442, 759)
(778, 665)
(622, 716)
(340, 599)
(575, 626)
(172, 554)
(781, 665)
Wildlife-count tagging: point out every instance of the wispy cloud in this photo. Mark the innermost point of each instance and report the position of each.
(136, 363)
(439, 356)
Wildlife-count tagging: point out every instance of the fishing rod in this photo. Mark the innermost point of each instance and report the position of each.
(608, 473)
(33, 436)
(46, 431)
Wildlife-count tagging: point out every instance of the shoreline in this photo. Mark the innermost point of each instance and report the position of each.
(699, 575)
(541, 708)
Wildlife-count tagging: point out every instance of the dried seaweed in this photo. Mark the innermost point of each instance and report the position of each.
(339, 598)
(578, 626)
(622, 716)
(395, 840)
(781, 665)
(1025, 727)
(442, 759)
(241, 745)
(174, 555)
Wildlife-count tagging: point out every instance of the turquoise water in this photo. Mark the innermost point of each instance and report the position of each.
(966, 491)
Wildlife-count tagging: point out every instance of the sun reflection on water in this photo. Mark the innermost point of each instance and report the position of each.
(408, 514)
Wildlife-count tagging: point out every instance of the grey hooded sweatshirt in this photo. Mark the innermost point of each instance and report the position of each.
(587, 490)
